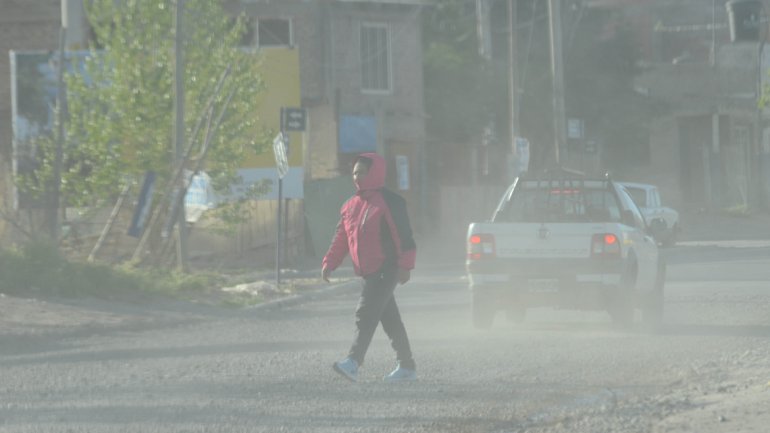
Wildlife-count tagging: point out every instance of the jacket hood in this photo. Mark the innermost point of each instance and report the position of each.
(375, 179)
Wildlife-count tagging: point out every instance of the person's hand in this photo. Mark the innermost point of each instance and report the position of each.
(325, 273)
(403, 275)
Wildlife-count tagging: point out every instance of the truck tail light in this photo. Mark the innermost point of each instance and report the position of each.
(481, 246)
(605, 246)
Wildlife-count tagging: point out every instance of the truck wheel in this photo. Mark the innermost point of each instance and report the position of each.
(621, 307)
(652, 309)
(482, 311)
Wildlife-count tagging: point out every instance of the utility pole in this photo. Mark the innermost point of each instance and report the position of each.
(484, 36)
(557, 75)
(53, 215)
(512, 79)
(178, 132)
(483, 31)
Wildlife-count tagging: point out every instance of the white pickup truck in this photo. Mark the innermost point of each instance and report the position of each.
(566, 242)
(647, 198)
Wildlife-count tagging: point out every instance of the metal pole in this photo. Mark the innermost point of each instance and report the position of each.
(286, 214)
(278, 217)
(278, 235)
(557, 71)
(755, 160)
(58, 157)
(512, 83)
(713, 58)
(179, 134)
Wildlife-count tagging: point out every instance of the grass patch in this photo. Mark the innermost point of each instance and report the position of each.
(39, 269)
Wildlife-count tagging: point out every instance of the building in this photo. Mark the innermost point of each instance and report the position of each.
(28, 24)
(360, 74)
(709, 145)
(362, 86)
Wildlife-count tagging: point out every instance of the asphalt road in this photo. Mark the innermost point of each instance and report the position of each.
(270, 370)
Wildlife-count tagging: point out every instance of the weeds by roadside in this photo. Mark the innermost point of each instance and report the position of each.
(39, 270)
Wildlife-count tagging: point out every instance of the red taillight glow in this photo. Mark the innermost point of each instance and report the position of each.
(605, 245)
(481, 246)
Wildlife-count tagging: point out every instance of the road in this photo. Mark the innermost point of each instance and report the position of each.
(270, 371)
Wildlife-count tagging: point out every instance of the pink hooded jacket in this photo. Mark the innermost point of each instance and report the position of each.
(373, 227)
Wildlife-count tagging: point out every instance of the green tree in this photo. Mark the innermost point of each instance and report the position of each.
(459, 83)
(120, 105)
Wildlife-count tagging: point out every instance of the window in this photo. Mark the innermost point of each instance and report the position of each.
(638, 195)
(274, 32)
(267, 32)
(580, 201)
(654, 198)
(375, 58)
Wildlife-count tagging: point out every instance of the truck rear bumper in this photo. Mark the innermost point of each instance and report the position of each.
(579, 283)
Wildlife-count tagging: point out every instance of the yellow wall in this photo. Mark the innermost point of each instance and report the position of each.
(280, 73)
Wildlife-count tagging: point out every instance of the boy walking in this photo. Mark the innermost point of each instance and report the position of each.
(374, 229)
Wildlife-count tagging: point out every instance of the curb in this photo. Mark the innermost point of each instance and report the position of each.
(294, 300)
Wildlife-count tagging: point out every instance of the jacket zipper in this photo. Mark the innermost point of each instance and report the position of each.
(362, 229)
(363, 221)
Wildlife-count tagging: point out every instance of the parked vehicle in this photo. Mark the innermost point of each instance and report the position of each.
(647, 198)
(565, 241)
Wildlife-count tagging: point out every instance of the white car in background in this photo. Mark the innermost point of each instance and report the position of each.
(647, 199)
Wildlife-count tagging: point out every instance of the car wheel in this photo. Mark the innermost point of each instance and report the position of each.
(621, 307)
(652, 308)
(483, 310)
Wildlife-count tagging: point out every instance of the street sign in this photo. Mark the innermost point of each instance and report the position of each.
(575, 128)
(281, 160)
(293, 119)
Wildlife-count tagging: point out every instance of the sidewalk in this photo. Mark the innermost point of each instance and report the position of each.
(713, 226)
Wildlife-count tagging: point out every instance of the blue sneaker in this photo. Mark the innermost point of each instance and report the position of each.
(401, 374)
(348, 368)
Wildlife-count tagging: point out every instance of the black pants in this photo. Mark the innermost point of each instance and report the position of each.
(377, 305)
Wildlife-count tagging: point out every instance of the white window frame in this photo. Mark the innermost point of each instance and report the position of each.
(389, 57)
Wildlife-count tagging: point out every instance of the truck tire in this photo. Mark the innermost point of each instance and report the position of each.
(482, 310)
(652, 307)
(621, 307)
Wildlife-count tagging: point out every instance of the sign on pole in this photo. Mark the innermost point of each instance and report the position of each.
(281, 159)
(293, 119)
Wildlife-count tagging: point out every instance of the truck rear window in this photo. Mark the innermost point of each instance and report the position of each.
(589, 201)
